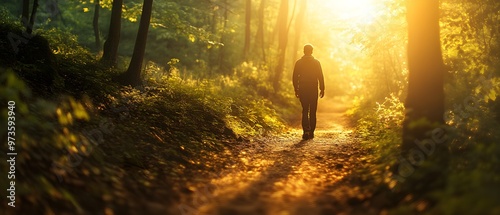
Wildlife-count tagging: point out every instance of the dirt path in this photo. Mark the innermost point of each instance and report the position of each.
(284, 175)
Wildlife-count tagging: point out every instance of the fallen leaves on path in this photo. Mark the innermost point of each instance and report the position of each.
(284, 175)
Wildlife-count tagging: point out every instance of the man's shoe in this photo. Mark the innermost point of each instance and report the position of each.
(311, 135)
(305, 136)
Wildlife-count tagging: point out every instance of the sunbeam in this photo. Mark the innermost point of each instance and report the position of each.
(354, 11)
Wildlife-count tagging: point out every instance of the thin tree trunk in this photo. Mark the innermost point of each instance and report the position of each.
(292, 16)
(248, 22)
(259, 35)
(95, 24)
(110, 51)
(222, 50)
(56, 11)
(25, 8)
(299, 23)
(282, 43)
(212, 55)
(133, 74)
(29, 28)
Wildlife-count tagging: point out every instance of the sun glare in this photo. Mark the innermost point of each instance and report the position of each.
(353, 11)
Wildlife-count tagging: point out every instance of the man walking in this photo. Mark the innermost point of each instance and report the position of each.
(306, 75)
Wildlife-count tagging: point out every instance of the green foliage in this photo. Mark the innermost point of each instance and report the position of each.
(13, 88)
(7, 18)
(245, 111)
(384, 43)
(44, 131)
(65, 44)
(380, 127)
(90, 132)
(387, 117)
(52, 61)
(464, 177)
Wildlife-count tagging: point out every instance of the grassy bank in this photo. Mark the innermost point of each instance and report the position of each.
(88, 145)
(462, 179)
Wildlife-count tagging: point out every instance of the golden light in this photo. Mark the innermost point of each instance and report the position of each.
(352, 11)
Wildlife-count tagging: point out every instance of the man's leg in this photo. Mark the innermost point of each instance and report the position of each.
(306, 127)
(312, 115)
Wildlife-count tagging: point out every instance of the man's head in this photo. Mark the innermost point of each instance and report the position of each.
(308, 49)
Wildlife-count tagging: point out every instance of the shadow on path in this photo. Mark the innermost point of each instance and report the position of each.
(280, 175)
(255, 198)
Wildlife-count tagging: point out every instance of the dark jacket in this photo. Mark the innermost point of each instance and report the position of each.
(306, 75)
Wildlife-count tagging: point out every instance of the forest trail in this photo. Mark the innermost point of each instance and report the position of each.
(284, 175)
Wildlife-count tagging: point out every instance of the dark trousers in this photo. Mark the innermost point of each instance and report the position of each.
(309, 103)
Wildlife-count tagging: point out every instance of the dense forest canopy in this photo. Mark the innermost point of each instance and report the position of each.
(207, 37)
(120, 98)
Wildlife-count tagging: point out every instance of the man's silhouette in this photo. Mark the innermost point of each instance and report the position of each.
(306, 75)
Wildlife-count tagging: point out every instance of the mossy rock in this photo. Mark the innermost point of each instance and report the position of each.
(30, 56)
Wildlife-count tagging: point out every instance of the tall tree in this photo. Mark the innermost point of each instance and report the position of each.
(110, 51)
(95, 24)
(299, 23)
(222, 50)
(212, 56)
(52, 7)
(248, 22)
(133, 74)
(282, 25)
(425, 100)
(29, 27)
(259, 35)
(25, 12)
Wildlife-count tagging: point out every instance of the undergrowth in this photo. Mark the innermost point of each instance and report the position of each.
(469, 181)
(80, 131)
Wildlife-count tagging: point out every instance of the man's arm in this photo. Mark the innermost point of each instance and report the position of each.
(321, 81)
(295, 80)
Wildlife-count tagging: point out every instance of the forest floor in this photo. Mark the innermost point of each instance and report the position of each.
(285, 175)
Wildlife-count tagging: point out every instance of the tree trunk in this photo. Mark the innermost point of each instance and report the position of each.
(248, 20)
(299, 23)
(133, 74)
(283, 40)
(222, 49)
(425, 101)
(29, 28)
(95, 24)
(52, 7)
(25, 8)
(110, 51)
(259, 35)
(212, 56)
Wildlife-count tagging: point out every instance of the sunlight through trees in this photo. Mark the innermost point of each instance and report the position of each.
(142, 106)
